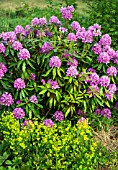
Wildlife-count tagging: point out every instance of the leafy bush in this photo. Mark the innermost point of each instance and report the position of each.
(105, 13)
(37, 146)
(47, 68)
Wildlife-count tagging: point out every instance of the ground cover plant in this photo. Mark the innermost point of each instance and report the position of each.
(32, 145)
(53, 72)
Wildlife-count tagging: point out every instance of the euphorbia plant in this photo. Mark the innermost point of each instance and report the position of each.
(50, 66)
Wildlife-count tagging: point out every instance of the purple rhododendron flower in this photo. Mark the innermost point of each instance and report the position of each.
(33, 99)
(6, 99)
(17, 45)
(55, 62)
(38, 34)
(111, 53)
(62, 29)
(19, 113)
(19, 84)
(3, 70)
(87, 37)
(97, 48)
(81, 33)
(9, 36)
(18, 102)
(28, 29)
(49, 123)
(106, 112)
(35, 21)
(116, 57)
(43, 81)
(54, 20)
(95, 30)
(72, 72)
(27, 122)
(58, 116)
(3, 67)
(66, 12)
(104, 58)
(74, 62)
(82, 119)
(2, 48)
(33, 76)
(75, 25)
(105, 40)
(91, 70)
(111, 71)
(97, 111)
(46, 48)
(42, 21)
(24, 54)
(116, 105)
(94, 78)
(71, 37)
(20, 30)
(112, 88)
(104, 81)
(53, 84)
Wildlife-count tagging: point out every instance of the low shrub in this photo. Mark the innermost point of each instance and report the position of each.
(32, 145)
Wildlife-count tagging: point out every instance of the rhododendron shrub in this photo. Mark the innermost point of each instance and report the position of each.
(50, 68)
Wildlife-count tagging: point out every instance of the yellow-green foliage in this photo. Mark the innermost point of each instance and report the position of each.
(61, 147)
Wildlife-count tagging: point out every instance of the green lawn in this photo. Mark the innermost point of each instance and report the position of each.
(13, 4)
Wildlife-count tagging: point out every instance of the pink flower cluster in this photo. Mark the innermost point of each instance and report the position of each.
(67, 12)
(17, 45)
(3, 70)
(55, 62)
(19, 84)
(19, 113)
(62, 29)
(24, 54)
(49, 123)
(9, 36)
(72, 72)
(111, 71)
(54, 20)
(27, 122)
(6, 99)
(46, 48)
(33, 76)
(58, 116)
(53, 84)
(111, 90)
(20, 30)
(33, 99)
(106, 53)
(105, 112)
(2, 48)
(72, 37)
(72, 62)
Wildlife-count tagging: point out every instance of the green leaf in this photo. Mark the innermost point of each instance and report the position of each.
(107, 103)
(85, 106)
(47, 73)
(50, 102)
(29, 63)
(43, 91)
(24, 67)
(67, 112)
(19, 63)
(8, 162)
(54, 73)
(58, 72)
(39, 105)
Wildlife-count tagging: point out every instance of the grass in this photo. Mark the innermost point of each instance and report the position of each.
(13, 4)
